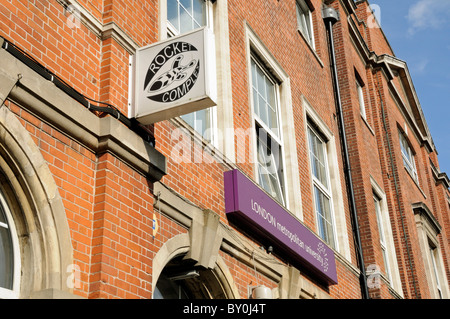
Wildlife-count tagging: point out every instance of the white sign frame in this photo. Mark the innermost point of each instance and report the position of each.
(173, 77)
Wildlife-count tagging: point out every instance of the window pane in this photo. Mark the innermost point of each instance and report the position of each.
(263, 178)
(254, 75)
(207, 125)
(402, 145)
(409, 166)
(379, 220)
(270, 183)
(261, 85)
(386, 264)
(362, 106)
(199, 12)
(308, 26)
(268, 149)
(201, 122)
(169, 289)
(298, 15)
(265, 157)
(255, 101)
(262, 109)
(318, 160)
(189, 118)
(192, 14)
(277, 193)
(304, 20)
(324, 218)
(303, 24)
(379, 216)
(272, 116)
(264, 98)
(435, 270)
(185, 21)
(408, 156)
(3, 217)
(269, 165)
(187, 5)
(6, 259)
(405, 147)
(186, 15)
(172, 13)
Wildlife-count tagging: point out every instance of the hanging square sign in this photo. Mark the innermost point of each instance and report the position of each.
(174, 77)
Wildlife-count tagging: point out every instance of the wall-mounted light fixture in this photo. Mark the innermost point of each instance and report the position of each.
(261, 292)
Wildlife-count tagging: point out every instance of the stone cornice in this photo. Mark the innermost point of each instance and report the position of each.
(53, 106)
(422, 209)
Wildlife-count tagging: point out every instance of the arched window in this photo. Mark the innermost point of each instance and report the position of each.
(8, 256)
(181, 279)
(35, 244)
(167, 288)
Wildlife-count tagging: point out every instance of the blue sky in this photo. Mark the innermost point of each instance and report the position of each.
(419, 33)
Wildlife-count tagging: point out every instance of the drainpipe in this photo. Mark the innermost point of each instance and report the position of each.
(331, 16)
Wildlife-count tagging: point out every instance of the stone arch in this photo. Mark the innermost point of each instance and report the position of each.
(176, 246)
(218, 279)
(38, 211)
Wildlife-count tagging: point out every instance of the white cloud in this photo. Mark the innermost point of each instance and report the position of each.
(421, 65)
(426, 14)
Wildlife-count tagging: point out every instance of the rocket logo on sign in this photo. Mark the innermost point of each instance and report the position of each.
(173, 77)
(172, 73)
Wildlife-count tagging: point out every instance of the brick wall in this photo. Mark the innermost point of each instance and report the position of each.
(110, 206)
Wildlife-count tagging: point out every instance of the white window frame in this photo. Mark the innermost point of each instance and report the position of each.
(340, 217)
(434, 256)
(254, 45)
(362, 104)
(382, 234)
(304, 22)
(448, 198)
(385, 229)
(323, 189)
(210, 133)
(435, 269)
(276, 137)
(14, 292)
(174, 30)
(409, 160)
(428, 230)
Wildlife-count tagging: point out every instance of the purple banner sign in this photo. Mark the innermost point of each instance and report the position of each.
(272, 224)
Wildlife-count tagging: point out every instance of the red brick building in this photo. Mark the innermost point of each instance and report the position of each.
(314, 176)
